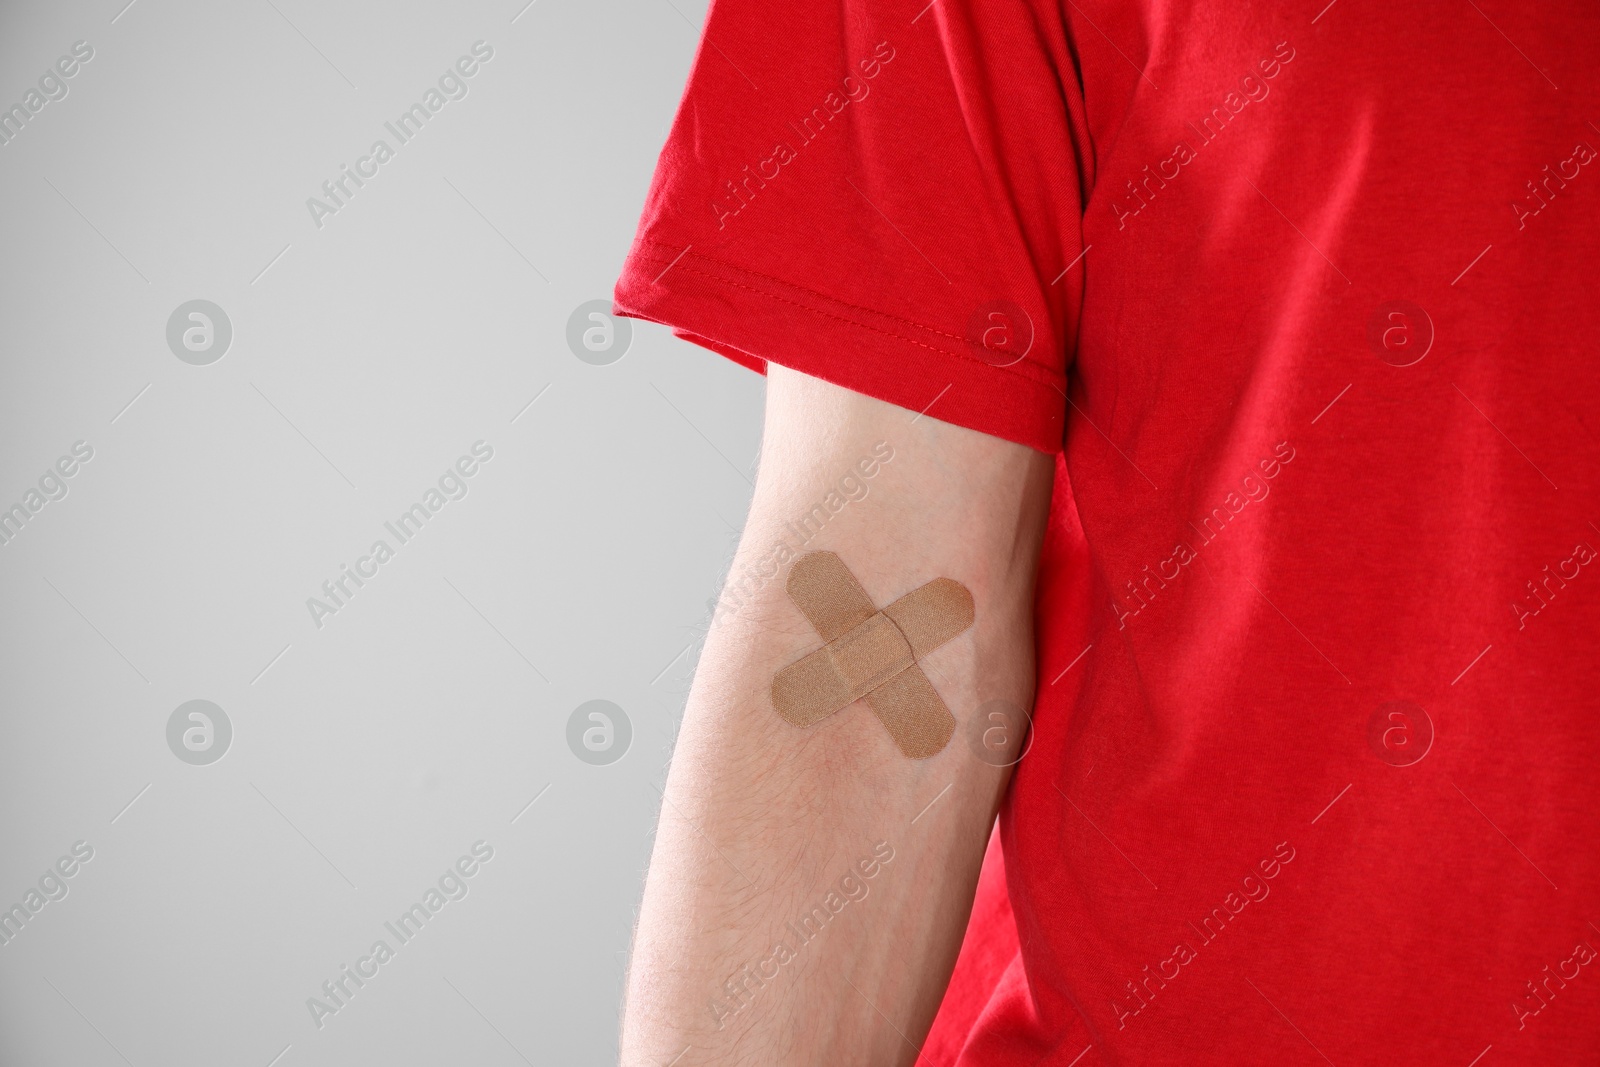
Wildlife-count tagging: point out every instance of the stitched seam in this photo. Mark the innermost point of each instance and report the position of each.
(864, 326)
(1033, 375)
(819, 295)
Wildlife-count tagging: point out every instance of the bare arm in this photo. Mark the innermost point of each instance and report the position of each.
(801, 906)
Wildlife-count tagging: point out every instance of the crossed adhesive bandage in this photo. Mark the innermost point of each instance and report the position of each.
(871, 654)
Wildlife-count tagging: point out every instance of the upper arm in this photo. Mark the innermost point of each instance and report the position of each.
(903, 499)
(775, 816)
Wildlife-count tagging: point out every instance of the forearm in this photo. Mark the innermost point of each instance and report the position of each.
(764, 824)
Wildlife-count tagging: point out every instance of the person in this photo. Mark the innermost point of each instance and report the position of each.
(1239, 361)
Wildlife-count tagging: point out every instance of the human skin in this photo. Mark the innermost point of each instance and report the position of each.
(760, 819)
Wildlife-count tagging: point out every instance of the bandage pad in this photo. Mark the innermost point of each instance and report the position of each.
(870, 654)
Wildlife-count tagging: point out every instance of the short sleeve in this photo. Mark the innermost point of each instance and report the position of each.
(887, 196)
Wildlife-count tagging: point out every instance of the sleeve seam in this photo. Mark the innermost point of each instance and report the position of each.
(1033, 374)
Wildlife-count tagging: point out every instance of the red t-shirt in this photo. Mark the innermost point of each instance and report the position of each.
(1305, 294)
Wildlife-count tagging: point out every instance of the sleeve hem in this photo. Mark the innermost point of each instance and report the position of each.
(753, 318)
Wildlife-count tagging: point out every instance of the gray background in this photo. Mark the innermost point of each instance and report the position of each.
(367, 356)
